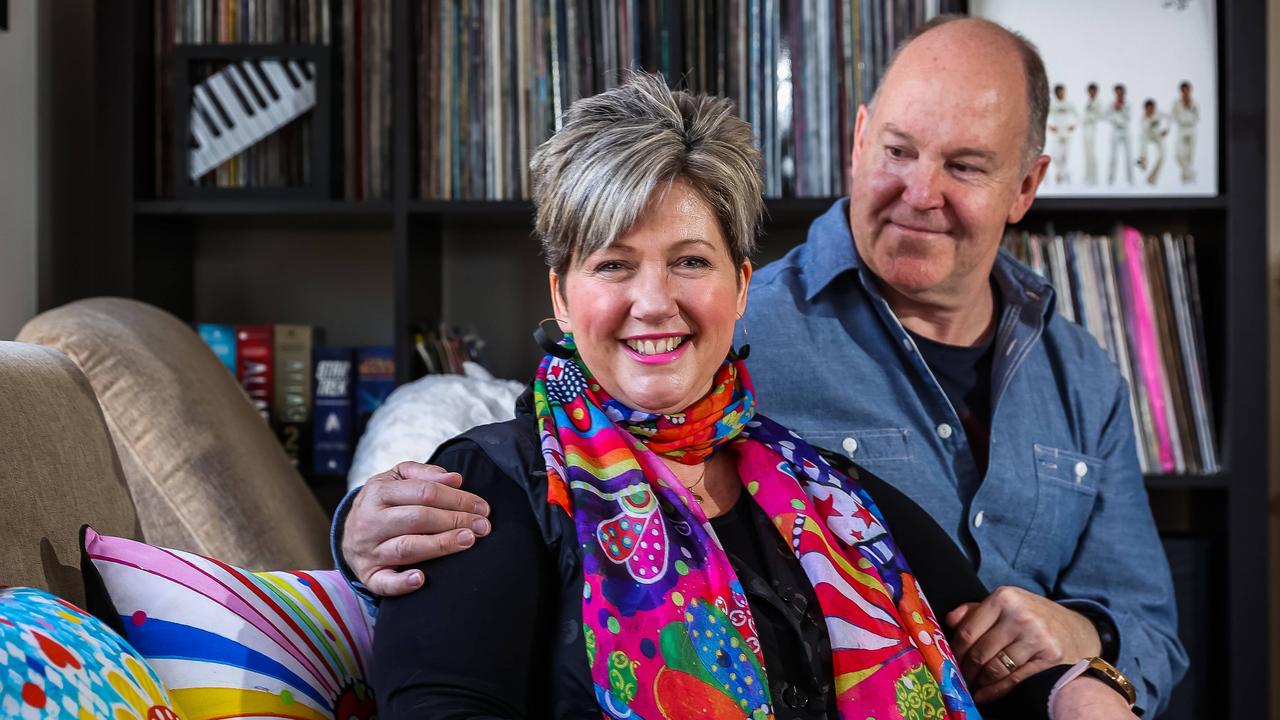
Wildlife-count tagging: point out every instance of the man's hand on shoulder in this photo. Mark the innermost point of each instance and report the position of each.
(407, 515)
(1014, 634)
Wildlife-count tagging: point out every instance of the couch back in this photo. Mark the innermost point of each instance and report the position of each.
(58, 470)
(206, 473)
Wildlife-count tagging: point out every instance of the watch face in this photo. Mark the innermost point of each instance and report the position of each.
(1106, 672)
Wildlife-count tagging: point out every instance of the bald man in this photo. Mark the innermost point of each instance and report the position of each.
(899, 335)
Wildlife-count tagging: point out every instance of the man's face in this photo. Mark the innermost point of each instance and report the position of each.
(1093, 93)
(1060, 93)
(938, 170)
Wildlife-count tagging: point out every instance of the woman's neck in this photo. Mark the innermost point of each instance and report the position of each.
(718, 487)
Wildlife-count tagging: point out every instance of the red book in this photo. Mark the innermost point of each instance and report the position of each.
(254, 366)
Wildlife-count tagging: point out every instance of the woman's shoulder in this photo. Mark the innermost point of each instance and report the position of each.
(499, 456)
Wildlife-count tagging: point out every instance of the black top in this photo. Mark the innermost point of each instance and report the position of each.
(497, 630)
(965, 376)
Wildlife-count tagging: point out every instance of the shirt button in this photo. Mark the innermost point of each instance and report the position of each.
(849, 445)
(1081, 469)
(944, 431)
(977, 519)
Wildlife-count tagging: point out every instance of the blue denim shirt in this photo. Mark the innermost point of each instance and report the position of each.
(1062, 510)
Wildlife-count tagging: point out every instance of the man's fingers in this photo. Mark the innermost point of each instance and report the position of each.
(1000, 688)
(975, 624)
(388, 582)
(956, 616)
(421, 520)
(414, 549)
(438, 493)
(982, 658)
(410, 470)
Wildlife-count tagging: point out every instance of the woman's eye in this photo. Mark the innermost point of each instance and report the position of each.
(693, 262)
(608, 266)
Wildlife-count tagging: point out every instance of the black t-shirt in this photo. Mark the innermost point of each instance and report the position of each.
(965, 376)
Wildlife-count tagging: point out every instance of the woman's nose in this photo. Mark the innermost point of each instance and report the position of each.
(653, 297)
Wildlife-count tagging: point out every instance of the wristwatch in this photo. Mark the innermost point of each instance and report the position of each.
(1095, 667)
(1106, 672)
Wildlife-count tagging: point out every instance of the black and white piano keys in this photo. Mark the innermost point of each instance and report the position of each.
(244, 102)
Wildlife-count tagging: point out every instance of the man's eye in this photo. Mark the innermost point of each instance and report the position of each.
(895, 152)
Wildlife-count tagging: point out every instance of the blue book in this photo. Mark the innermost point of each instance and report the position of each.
(333, 411)
(375, 379)
(221, 339)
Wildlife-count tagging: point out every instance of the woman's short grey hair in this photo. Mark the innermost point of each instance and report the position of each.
(593, 179)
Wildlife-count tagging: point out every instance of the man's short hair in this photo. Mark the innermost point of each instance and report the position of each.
(1184, 85)
(1119, 87)
(1093, 87)
(1032, 68)
(1059, 88)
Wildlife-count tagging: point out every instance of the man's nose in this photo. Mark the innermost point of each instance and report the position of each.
(923, 189)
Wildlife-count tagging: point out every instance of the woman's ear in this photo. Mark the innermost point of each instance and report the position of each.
(744, 284)
(559, 307)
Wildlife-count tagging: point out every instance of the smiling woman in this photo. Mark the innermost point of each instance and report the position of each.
(670, 551)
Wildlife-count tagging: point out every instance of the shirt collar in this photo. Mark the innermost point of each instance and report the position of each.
(832, 253)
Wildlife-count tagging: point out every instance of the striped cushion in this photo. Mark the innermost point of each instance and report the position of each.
(230, 643)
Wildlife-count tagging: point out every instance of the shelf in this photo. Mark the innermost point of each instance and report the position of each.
(1127, 204)
(371, 209)
(1186, 481)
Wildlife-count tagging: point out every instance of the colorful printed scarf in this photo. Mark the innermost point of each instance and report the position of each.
(668, 630)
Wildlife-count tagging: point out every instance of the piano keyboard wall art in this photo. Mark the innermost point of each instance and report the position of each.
(243, 103)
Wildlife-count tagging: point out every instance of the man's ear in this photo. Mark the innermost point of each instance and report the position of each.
(1027, 190)
(559, 307)
(859, 126)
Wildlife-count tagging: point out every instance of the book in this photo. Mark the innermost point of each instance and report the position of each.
(254, 366)
(221, 339)
(375, 379)
(292, 401)
(333, 410)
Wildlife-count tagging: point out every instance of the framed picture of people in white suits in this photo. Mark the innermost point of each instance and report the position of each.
(1133, 93)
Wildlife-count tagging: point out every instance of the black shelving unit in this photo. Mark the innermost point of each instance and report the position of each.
(143, 249)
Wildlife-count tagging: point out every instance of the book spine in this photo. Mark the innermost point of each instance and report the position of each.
(293, 345)
(333, 411)
(375, 379)
(221, 339)
(256, 370)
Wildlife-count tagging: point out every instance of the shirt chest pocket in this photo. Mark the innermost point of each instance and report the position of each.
(1065, 492)
(865, 447)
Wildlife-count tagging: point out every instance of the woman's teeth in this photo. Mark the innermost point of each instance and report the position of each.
(655, 347)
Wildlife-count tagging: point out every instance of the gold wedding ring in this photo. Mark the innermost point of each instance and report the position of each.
(1007, 662)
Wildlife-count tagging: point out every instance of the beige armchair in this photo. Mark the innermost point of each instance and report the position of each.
(134, 426)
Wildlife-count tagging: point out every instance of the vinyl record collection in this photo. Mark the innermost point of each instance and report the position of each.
(495, 76)
(359, 32)
(1139, 296)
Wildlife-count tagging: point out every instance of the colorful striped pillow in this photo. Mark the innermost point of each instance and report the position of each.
(56, 661)
(235, 644)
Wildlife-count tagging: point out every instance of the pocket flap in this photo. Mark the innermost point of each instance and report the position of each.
(864, 445)
(1078, 470)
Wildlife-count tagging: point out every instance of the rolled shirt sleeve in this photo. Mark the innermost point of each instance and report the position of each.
(1120, 569)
